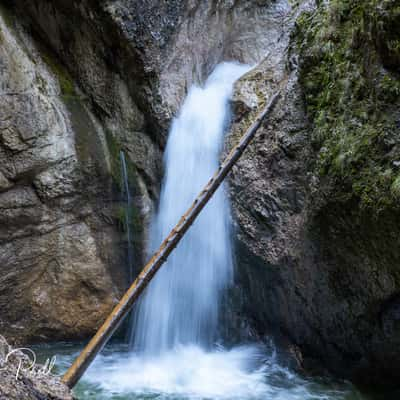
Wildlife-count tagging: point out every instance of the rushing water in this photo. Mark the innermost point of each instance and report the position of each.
(181, 304)
(191, 373)
(173, 352)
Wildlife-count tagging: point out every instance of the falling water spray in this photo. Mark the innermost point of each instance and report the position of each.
(182, 303)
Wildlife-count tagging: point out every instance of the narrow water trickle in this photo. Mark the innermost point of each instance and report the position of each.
(127, 217)
(127, 214)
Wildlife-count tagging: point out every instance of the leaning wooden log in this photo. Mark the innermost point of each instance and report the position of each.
(95, 345)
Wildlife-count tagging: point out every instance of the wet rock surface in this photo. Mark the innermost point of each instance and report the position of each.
(46, 242)
(61, 256)
(312, 264)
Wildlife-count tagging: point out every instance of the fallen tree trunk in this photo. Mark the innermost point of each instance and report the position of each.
(87, 355)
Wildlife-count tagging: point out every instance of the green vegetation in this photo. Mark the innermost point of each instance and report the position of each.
(350, 54)
(8, 19)
(7, 16)
(64, 79)
(135, 222)
(114, 147)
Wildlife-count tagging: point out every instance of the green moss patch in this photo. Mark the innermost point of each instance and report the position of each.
(134, 217)
(352, 95)
(7, 16)
(64, 79)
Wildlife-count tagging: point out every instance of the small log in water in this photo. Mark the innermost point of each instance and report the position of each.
(98, 341)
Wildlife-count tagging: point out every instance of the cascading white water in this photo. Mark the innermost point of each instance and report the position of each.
(182, 302)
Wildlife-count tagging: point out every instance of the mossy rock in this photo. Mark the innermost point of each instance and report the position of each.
(351, 98)
(64, 79)
(135, 218)
(7, 16)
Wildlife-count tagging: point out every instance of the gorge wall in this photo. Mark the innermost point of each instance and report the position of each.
(315, 197)
(62, 251)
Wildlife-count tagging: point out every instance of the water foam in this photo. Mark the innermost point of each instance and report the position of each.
(182, 303)
(190, 372)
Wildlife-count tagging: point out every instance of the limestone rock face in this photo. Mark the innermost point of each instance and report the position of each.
(62, 249)
(151, 51)
(55, 279)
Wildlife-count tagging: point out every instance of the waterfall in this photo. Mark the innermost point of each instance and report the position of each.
(181, 304)
(175, 324)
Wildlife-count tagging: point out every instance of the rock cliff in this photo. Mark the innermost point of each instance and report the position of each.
(315, 197)
(62, 254)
